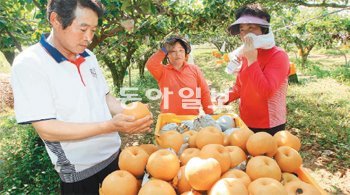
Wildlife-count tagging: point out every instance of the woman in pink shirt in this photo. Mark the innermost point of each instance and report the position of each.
(262, 79)
(184, 89)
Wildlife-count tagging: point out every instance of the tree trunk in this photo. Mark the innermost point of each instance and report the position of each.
(117, 75)
(344, 54)
(118, 68)
(15, 41)
(306, 53)
(303, 51)
(303, 59)
(129, 71)
(142, 71)
(10, 56)
(217, 45)
(118, 78)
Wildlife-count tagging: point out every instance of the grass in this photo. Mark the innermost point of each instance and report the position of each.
(345, 49)
(319, 110)
(25, 167)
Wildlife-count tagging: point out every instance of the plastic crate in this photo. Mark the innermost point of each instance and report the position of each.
(304, 176)
(172, 118)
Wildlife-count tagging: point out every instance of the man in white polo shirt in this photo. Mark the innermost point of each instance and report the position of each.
(59, 88)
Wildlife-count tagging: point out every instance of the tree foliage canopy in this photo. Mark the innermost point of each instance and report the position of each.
(132, 29)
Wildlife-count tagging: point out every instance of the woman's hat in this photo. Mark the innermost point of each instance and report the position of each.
(184, 43)
(233, 29)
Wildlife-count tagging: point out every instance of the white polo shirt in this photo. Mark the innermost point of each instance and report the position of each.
(48, 86)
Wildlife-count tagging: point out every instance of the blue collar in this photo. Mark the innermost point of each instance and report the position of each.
(54, 52)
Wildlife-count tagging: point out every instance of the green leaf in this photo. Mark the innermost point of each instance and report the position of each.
(153, 9)
(126, 4)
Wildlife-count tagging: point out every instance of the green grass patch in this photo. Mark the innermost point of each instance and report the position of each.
(320, 110)
(25, 167)
(340, 73)
(335, 52)
(320, 68)
(5, 69)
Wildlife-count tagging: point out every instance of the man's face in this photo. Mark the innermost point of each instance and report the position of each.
(177, 55)
(244, 29)
(76, 37)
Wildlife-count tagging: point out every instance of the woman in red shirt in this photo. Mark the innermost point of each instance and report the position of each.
(262, 79)
(184, 89)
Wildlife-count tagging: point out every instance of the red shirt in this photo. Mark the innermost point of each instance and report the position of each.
(262, 89)
(183, 90)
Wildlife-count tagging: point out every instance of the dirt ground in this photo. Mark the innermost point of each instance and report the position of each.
(6, 97)
(315, 161)
(335, 180)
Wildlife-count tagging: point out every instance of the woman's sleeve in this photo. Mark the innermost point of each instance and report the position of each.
(235, 92)
(267, 81)
(154, 64)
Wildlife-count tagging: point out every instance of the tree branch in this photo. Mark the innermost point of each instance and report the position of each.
(38, 5)
(104, 35)
(324, 4)
(17, 44)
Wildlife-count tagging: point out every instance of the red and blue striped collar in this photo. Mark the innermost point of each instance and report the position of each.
(54, 52)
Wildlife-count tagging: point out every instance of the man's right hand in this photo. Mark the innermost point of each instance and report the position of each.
(128, 124)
